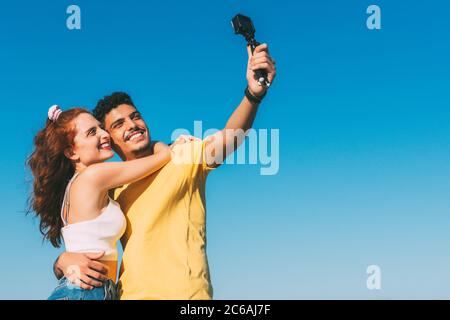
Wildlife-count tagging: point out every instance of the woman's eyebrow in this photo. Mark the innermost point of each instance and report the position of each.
(89, 130)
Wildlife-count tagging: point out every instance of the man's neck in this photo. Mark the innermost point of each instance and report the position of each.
(139, 154)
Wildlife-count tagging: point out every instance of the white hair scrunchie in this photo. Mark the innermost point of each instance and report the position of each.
(54, 112)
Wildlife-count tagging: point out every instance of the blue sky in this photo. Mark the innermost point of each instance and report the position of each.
(363, 116)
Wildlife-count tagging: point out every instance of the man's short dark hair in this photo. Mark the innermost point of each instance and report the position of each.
(105, 105)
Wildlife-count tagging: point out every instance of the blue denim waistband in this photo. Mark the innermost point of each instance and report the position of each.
(68, 291)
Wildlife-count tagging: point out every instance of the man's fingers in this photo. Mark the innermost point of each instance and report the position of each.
(260, 48)
(249, 52)
(95, 256)
(98, 266)
(265, 66)
(96, 276)
(85, 286)
(74, 280)
(270, 77)
(90, 282)
(261, 60)
(84, 281)
(260, 55)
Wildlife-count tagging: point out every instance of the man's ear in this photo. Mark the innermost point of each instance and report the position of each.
(71, 155)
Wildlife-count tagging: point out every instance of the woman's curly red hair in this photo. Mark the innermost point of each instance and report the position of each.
(51, 171)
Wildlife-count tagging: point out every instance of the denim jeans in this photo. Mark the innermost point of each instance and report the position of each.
(67, 291)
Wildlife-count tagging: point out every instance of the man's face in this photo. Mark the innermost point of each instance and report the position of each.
(129, 133)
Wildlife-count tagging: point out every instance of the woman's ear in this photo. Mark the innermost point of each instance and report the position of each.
(71, 155)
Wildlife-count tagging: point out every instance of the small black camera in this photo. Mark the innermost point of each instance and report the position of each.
(243, 25)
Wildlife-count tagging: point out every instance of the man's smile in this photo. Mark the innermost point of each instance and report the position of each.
(136, 135)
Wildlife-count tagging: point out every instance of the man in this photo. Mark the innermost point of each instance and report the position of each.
(165, 242)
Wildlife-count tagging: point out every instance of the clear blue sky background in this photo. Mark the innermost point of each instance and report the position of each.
(364, 129)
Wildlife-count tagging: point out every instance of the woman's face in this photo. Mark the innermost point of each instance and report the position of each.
(91, 142)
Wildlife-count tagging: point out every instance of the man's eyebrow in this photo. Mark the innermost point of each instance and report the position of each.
(116, 122)
(135, 113)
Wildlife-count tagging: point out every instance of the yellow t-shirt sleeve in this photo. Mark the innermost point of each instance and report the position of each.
(192, 155)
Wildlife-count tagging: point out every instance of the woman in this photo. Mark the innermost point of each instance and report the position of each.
(70, 192)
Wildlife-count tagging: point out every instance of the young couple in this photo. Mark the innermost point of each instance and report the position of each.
(153, 201)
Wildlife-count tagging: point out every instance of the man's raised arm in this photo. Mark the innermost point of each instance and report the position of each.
(226, 141)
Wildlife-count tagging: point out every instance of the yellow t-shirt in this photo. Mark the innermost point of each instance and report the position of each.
(165, 241)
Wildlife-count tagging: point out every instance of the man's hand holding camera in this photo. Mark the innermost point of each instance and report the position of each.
(260, 59)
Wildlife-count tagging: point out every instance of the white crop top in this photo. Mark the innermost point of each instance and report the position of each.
(95, 235)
